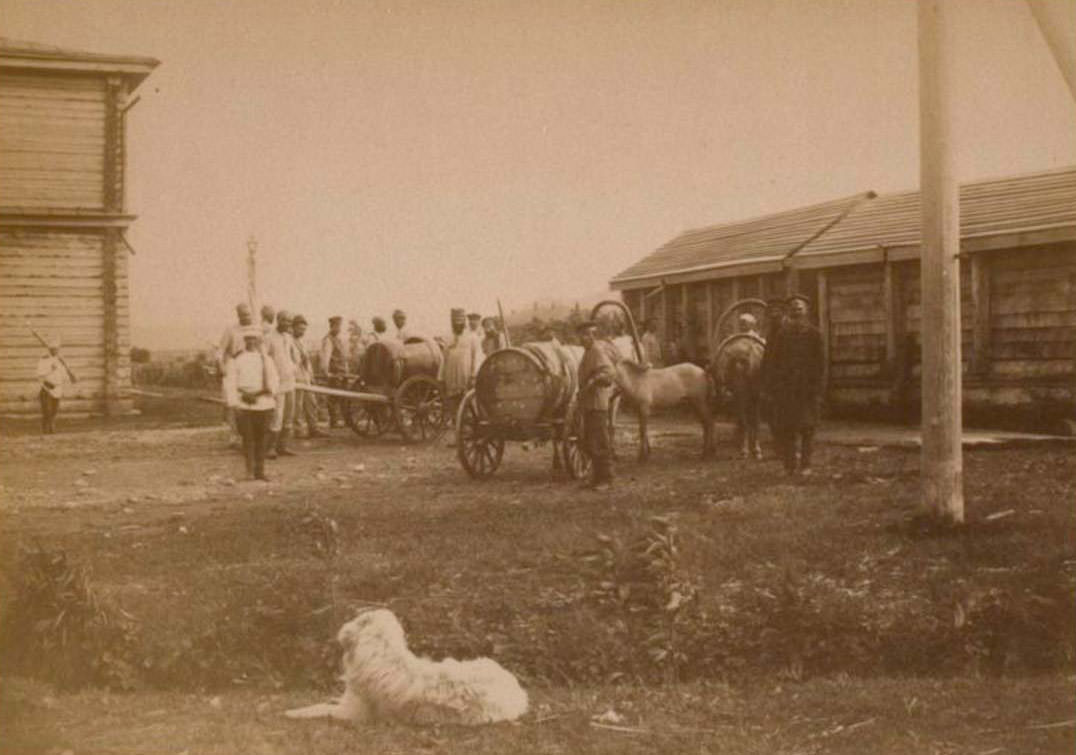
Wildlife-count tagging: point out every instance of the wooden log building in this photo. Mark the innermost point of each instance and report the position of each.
(63, 255)
(857, 259)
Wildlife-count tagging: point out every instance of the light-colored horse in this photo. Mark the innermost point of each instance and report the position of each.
(737, 367)
(651, 388)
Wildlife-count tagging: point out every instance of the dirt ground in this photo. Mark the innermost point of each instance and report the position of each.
(158, 508)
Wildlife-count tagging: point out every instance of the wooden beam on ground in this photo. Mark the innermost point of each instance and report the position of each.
(942, 462)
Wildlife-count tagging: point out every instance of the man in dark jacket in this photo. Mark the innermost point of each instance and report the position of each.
(793, 379)
(596, 377)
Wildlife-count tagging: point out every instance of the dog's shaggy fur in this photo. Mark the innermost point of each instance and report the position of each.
(385, 680)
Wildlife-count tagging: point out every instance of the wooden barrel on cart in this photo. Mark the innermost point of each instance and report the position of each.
(528, 384)
(388, 363)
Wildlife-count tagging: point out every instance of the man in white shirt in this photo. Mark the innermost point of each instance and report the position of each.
(52, 374)
(399, 319)
(250, 384)
(463, 355)
(285, 355)
(231, 345)
(306, 408)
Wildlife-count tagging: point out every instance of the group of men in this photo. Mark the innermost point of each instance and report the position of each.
(265, 367)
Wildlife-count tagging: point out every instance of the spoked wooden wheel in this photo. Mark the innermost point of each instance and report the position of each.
(576, 460)
(365, 418)
(726, 322)
(419, 408)
(478, 453)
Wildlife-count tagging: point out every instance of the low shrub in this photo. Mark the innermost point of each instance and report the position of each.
(58, 628)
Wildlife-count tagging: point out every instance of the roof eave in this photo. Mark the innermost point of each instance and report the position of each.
(134, 68)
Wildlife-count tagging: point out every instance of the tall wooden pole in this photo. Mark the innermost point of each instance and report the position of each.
(942, 459)
(252, 277)
(1054, 18)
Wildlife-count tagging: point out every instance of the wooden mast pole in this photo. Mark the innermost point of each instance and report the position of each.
(1054, 18)
(942, 457)
(252, 278)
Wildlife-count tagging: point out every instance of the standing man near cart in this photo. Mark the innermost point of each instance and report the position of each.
(306, 403)
(334, 358)
(285, 355)
(596, 376)
(399, 319)
(794, 383)
(463, 355)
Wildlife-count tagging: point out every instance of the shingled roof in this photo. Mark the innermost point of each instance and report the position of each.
(866, 222)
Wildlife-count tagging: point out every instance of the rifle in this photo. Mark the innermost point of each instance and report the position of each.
(46, 345)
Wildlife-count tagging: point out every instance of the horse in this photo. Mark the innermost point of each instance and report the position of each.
(651, 388)
(737, 366)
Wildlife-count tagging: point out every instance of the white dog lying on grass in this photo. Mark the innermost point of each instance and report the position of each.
(386, 680)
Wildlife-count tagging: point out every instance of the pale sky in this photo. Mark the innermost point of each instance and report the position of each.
(435, 154)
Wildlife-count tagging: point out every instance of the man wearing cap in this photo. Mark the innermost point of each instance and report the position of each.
(306, 404)
(463, 355)
(334, 365)
(268, 317)
(250, 384)
(474, 325)
(231, 345)
(356, 345)
(380, 331)
(399, 318)
(747, 391)
(796, 366)
(52, 375)
(596, 377)
(284, 352)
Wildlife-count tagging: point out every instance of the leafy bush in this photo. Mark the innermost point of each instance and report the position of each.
(58, 628)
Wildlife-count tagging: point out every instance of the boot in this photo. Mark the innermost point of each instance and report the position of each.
(270, 445)
(282, 444)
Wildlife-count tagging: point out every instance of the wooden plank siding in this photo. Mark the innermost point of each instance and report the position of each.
(1033, 312)
(857, 322)
(52, 141)
(55, 280)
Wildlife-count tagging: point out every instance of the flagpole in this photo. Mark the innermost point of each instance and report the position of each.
(252, 276)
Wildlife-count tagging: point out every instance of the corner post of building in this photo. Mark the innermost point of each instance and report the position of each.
(823, 326)
(709, 318)
(113, 201)
(893, 318)
(942, 455)
(981, 357)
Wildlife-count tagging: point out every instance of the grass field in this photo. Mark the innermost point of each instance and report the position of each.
(778, 616)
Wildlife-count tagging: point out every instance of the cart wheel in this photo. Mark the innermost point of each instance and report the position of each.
(479, 454)
(419, 409)
(366, 419)
(576, 460)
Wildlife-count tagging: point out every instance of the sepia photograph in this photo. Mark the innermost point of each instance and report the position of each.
(577, 377)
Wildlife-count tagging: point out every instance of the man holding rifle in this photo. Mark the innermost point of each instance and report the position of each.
(52, 374)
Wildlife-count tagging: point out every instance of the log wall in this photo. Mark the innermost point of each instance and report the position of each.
(62, 153)
(55, 281)
(52, 141)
